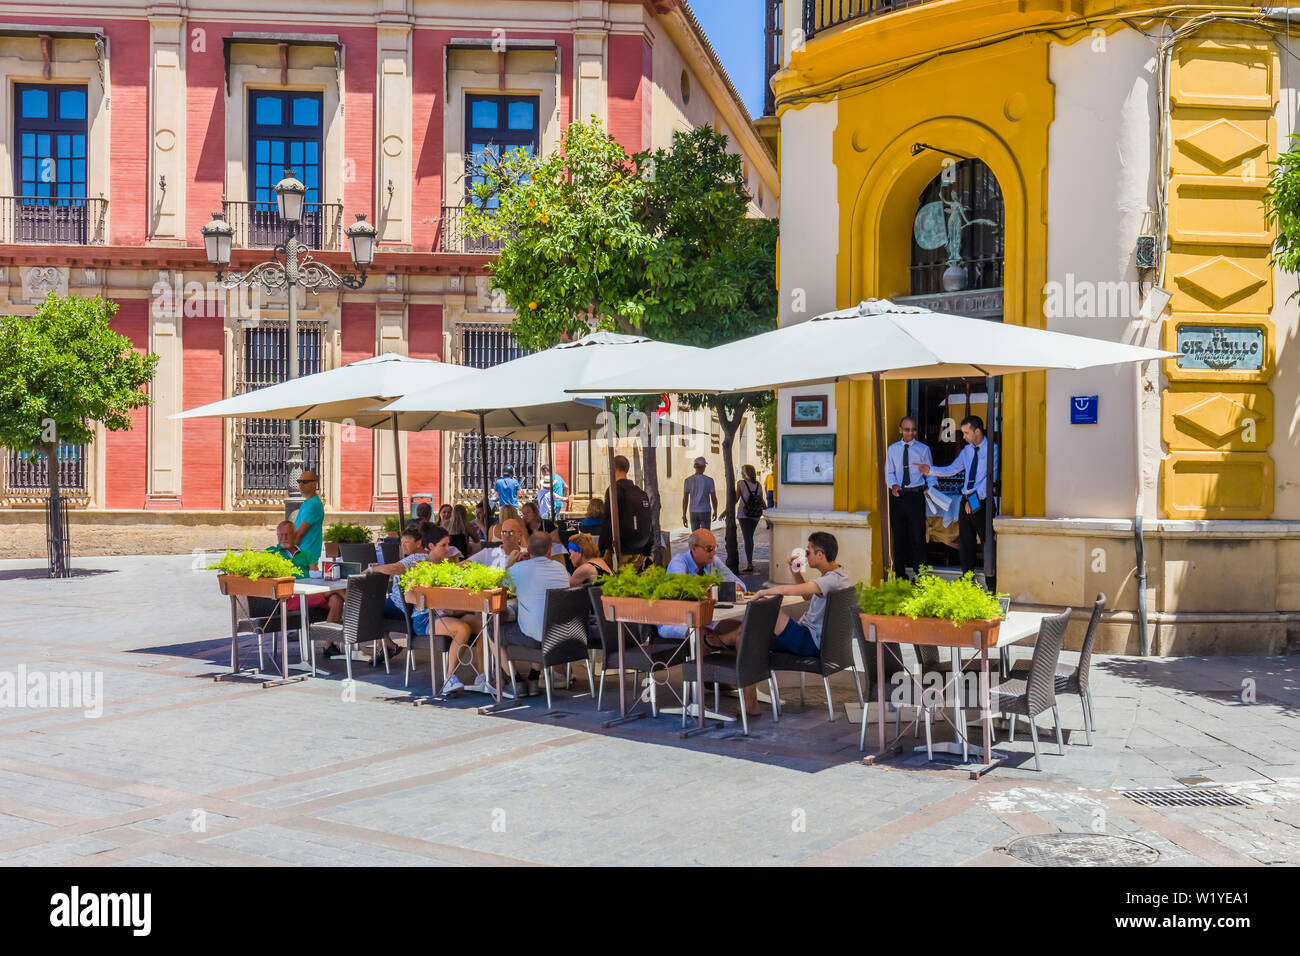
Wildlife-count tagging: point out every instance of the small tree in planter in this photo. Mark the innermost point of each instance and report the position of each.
(256, 574)
(656, 597)
(65, 370)
(392, 527)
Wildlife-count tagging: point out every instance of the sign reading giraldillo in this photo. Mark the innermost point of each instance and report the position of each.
(1219, 347)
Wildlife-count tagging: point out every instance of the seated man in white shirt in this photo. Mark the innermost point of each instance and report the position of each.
(510, 549)
(701, 557)
(530, 578)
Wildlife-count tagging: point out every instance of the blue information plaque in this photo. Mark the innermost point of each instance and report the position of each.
(1083, 410)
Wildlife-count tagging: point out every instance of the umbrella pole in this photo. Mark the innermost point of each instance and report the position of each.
(882, 492)
(550, 463)
(613, 487)
(992, 478)
(483, 463)
(397, 452)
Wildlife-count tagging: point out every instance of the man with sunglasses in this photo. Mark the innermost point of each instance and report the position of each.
(310, 518)
(511, 549)
(700, 557)
(905, 463)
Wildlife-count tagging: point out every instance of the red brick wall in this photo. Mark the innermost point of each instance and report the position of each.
(630, 69)
(424, 449)
(203, 442)
(356, 457)
(126, 453)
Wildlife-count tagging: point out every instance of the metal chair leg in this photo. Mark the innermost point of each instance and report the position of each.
(384, 643)
(600, 693)
(347, 656)
(1011, 728)
(591, 678)
(830, 707)
(1060, 741)
(1033, 732)
(744, 713)
(1087, 718)
(862, 734)
(717, 698)
(546, 674)
(929, 743)
(776, 710)
(686, 699)
(568, 675)
(857, 685)
(776, 691)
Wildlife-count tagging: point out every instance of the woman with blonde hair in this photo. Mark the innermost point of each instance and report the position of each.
(587, 563)
(504, 513)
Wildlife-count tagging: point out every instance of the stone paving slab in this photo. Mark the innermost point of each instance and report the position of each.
(181, 770)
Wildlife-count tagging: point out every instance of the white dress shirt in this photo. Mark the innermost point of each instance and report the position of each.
(496, 557)
(917, 453)
(976, 482)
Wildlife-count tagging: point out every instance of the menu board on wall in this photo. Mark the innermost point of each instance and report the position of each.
(808, 459)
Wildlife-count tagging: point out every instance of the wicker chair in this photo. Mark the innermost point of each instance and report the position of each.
(1031, 696)
(390, 549)
(640, 655)
(564, 636)
(363, 616)
(747, 665)
(1075, 681)
(838, 628)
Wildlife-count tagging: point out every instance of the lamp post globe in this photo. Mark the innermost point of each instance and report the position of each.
(217, 236)
(361, 239)
(290, 194)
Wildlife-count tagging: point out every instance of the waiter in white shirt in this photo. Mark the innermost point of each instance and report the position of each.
(974, 461)
(907, 484)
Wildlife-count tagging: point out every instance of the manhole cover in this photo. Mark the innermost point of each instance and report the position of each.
(1081, 849)
(1184, 797)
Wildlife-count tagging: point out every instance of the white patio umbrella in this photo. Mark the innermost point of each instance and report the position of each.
(531, 391)
(352, 393)
(875, 340)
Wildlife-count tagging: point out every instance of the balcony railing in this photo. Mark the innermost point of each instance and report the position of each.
(453, 238)
(53, 220)
(819, 15)
(257, 225)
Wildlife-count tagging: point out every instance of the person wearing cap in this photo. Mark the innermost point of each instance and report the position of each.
(699, 498)
(309, 519)
(507, 487)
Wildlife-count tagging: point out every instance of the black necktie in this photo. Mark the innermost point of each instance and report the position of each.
(974, 469)
(907, 473)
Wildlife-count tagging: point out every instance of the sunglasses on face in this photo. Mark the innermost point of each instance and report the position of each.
(707, 547)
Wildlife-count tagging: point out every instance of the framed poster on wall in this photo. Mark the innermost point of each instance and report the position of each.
(808, 411)
(808, 459)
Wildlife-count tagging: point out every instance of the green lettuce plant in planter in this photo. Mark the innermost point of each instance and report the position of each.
(928, 609)
(344, 533)
(255, 573)
(654, 596)
(449, 586)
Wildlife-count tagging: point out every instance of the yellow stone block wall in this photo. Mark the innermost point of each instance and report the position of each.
(1217, 426)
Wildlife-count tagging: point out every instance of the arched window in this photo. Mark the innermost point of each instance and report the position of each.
(957, 236)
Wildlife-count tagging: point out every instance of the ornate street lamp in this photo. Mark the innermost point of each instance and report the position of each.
(297, 269)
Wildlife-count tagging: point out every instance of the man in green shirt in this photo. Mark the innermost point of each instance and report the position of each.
(311, 517)
(285, 548)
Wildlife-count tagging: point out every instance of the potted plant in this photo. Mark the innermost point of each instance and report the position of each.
(654, 596)
(448, 586)
(255, 574)
(928, 609)
(343, 533)
(391, 526)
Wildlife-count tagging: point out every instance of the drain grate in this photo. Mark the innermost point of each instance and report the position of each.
(1081, 849)
(1184, 797)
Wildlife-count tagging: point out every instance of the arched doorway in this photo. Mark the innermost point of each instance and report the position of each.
(958, 247)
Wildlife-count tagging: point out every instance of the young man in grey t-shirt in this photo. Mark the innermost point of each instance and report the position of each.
(699, 497)
(804, 636)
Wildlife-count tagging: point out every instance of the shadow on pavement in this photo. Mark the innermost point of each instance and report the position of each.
(36, 574)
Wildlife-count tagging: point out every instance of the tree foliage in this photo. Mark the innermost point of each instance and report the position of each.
(1282, 205)
(65, 370)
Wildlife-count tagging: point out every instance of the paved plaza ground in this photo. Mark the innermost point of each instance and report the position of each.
(183, 770)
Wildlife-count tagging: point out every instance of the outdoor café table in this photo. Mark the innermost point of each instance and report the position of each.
(1016, 628)
(481, 685)
(721, 612)
(304, 588)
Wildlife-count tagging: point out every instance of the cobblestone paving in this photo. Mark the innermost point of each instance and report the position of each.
(183, 770)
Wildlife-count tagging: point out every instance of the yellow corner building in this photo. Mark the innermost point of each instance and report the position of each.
(1091, 168)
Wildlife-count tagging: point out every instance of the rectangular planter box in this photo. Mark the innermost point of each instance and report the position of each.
(931, 630)
(644, 611)
(331, 549)
(459, 599)
(235, 584)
